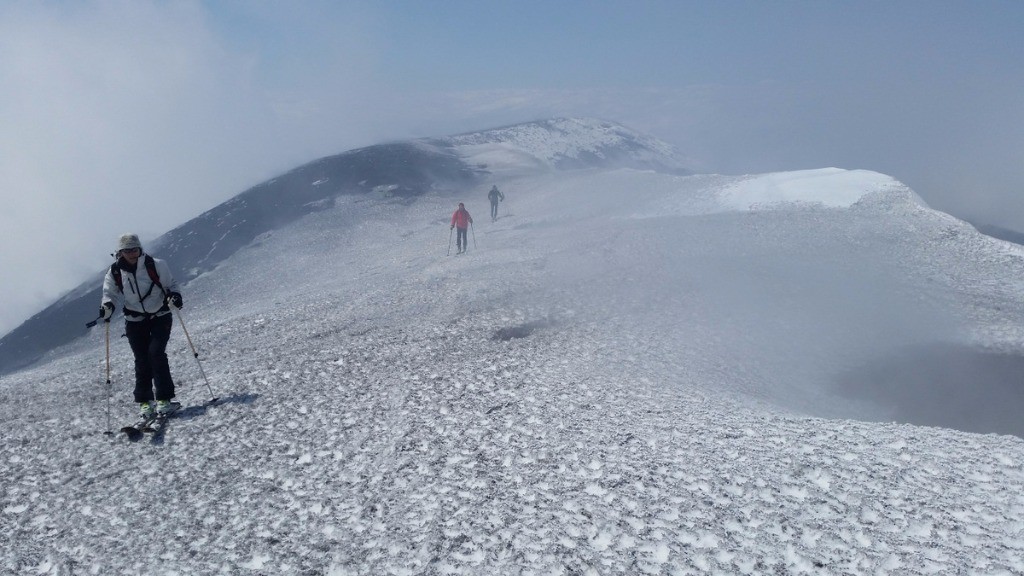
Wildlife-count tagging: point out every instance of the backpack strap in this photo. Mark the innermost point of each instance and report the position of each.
(116, 273)
(151, 269)
(150, 265)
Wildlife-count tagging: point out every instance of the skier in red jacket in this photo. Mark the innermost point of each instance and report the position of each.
(461, 220)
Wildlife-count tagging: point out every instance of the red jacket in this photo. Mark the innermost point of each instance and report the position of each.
(461, 218)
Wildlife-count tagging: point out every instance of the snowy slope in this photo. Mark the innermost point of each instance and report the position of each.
(397, 170)
(630, 372)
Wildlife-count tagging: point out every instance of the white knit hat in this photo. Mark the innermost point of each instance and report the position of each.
(128, 241)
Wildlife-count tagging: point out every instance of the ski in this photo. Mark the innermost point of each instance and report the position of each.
(135, 431)
(157, 423)
(157, 426)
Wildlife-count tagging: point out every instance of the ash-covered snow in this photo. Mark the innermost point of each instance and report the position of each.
(628, 373)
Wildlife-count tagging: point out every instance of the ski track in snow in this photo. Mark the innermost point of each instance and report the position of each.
(377, 417)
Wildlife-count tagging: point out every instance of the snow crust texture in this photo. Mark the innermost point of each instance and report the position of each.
(628, 373)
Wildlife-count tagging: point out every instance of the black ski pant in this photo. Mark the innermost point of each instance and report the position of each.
(460, 239)
(148, 338)
(494, 209)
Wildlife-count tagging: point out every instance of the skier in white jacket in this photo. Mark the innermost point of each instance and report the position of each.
(146, 288)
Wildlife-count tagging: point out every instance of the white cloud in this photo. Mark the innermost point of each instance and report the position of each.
(137, 116)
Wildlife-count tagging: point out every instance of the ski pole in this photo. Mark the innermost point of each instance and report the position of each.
(177, 312)
(107, 321)
(474, 234)
(450, 230)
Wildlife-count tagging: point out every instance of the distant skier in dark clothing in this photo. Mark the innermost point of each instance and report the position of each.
(145, 287)
(495, 196)
(461, 220)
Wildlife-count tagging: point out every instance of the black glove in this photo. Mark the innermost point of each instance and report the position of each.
(107, 310)
(174, 299)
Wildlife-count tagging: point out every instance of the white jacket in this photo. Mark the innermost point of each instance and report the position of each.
(141, 297)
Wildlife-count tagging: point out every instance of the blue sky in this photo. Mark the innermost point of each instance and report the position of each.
(120, 115)
(459, 45)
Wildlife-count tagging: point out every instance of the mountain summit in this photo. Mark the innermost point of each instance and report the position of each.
(569, 143)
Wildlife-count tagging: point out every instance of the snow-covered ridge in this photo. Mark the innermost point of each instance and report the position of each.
(830, 187)
(569, 142)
